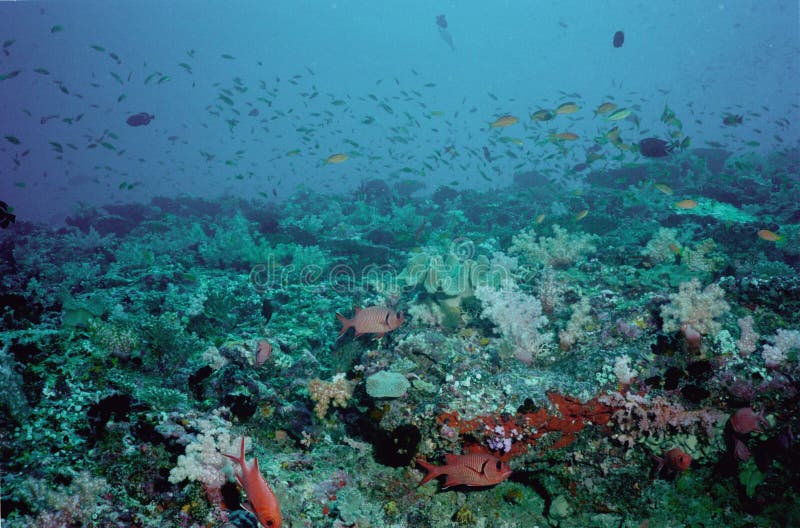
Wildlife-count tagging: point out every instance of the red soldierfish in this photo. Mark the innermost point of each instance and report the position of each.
(263, 503)
(263, 352)
(675, 460)
(371, 320)
(476, 469)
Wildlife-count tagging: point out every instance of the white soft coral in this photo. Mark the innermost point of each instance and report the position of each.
(203, 461)
(694, 308)
(518, 317)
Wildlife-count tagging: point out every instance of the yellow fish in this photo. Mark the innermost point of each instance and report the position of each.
(686, 204)
(622, 113)
(337, 158)
(769, 236)
(506, 120)
(604, 108)
(664, 188)
(581, 215)
(542, 115)
(567, 108)
(563, 136)
(613, 134)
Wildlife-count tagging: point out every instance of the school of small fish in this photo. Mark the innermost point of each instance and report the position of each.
(394, 130)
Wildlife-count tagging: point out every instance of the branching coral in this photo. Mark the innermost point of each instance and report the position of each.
(559, 251)
(661, 248)
(783, 342)
(518, 317)
(576, 325)
(337, 391)
(203, 460)
(748, 337)
(695, 308)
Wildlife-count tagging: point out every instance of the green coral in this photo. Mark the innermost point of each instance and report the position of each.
(79, 312)
(719, 210)
(449, 275)
(750, 477)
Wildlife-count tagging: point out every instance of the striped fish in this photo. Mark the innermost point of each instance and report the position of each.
(371, 320)
(476, 469)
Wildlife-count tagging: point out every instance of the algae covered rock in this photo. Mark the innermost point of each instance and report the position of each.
(385, 384)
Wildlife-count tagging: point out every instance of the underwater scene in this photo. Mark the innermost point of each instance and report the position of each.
(349, 264)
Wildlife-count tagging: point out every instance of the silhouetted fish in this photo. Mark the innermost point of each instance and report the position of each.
(140, 119)
(441, 21)
(6, 218)
(655, 148)
(619, 39)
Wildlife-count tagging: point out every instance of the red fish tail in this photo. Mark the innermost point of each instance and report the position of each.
(240, 458)
(346, 324)
(661, 462)
(433, 471)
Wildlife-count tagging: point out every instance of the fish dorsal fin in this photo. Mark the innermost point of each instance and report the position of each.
(477, 469)
(450, 459)
(356, 309)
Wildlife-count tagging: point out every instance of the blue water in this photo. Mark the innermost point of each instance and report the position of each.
(702, 59)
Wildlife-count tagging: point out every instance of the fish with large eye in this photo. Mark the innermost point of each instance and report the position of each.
(140, 119)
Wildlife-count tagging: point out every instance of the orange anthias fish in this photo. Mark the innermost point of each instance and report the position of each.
(686, 204)
(770, 236)
(567, 108)
(506, 120)
(371, 320)
(476, 469)
(336, 158)
(263, 503)
(563, 136)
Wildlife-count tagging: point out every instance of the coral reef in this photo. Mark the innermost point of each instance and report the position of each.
(134, 358)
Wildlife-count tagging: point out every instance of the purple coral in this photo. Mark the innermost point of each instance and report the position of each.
(500, 439)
